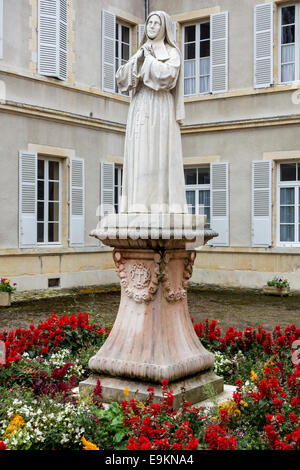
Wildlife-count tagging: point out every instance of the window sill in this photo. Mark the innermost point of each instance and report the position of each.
(246, 92)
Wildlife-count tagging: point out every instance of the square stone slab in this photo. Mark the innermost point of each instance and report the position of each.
(197, 388)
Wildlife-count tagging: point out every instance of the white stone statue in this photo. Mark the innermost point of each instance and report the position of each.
(153, 177)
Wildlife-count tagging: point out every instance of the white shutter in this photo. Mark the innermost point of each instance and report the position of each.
(107, 188)
(141, 29)
(261, 203)
(27, 199)
(108, 51)
(63, 40)
(220, 203)
(263, 45)
(219, 52)
(1, 29)
(77, 201)
(174, 23)
(53, 38)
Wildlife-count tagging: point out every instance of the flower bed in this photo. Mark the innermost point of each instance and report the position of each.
(39, 410)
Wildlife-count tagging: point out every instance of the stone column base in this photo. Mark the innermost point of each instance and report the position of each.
(197, 388)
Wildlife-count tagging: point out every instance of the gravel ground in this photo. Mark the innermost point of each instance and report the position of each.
(236, 308)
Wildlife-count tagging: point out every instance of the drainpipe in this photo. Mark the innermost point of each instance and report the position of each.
(146, 9)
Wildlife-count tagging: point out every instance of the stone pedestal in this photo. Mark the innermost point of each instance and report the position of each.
(153, 338)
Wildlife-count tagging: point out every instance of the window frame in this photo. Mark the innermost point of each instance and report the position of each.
(297, 43)
(288, 184)
(46, 201)
(200, 187)
(119, 23)
(118, 186)
(197, 55)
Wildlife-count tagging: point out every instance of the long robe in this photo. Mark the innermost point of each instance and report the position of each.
(153, 177)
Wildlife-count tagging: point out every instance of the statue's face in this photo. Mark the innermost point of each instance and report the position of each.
(153, 26)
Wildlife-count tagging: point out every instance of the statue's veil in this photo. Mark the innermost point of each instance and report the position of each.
(178, 91)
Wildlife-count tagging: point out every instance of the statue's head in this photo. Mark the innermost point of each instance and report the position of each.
(159, 26)
(154, 27)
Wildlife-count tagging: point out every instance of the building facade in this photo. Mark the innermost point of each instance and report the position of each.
(62, 129)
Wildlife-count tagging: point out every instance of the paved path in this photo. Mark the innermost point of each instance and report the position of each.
(236, 308)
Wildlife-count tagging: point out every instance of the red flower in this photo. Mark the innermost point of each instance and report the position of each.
(2, 446)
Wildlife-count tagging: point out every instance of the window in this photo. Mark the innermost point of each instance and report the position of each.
(289, 40)
(289, 203)
(197, 61)
(116, 49)
(122, 47)
(48, 201)
(197, 181)
(118, 188)
(41, 198)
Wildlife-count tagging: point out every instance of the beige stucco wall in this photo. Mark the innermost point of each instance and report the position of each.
(77, 116)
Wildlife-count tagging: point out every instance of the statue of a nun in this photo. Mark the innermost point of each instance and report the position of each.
(153, 177)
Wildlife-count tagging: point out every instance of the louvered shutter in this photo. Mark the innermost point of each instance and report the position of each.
(263, 45)
(53, 38)
(27, 199)
(174, 23)
(77, 202)
(219, 52)
(220, 203)
(63, 40)
(107, 197)
(1, 29)
(108, 51)
(261, 203)
(141, 29)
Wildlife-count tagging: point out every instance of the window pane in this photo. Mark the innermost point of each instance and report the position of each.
(40, 211)
(40, 233)
(189, 33)
(205, 31)
(288, 15)
(288, 73)
(117, 49)
(53, 233)
(125, 51)
(189, 51)
(190, 199)
(125, 34)
(204, 84)
(288, 172)
(287, 233)
(41, 190)
(287, 53)
(204, 198)
(54, 171)
(116, 176)
(204, 175)
(287, 215)
(53, 212)
(190, 68)
(204, 49)
(287, 196)
(190, 176)
(189, 86)
(53, 191)
(288, 34)
(205, 66)
(41, 169)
